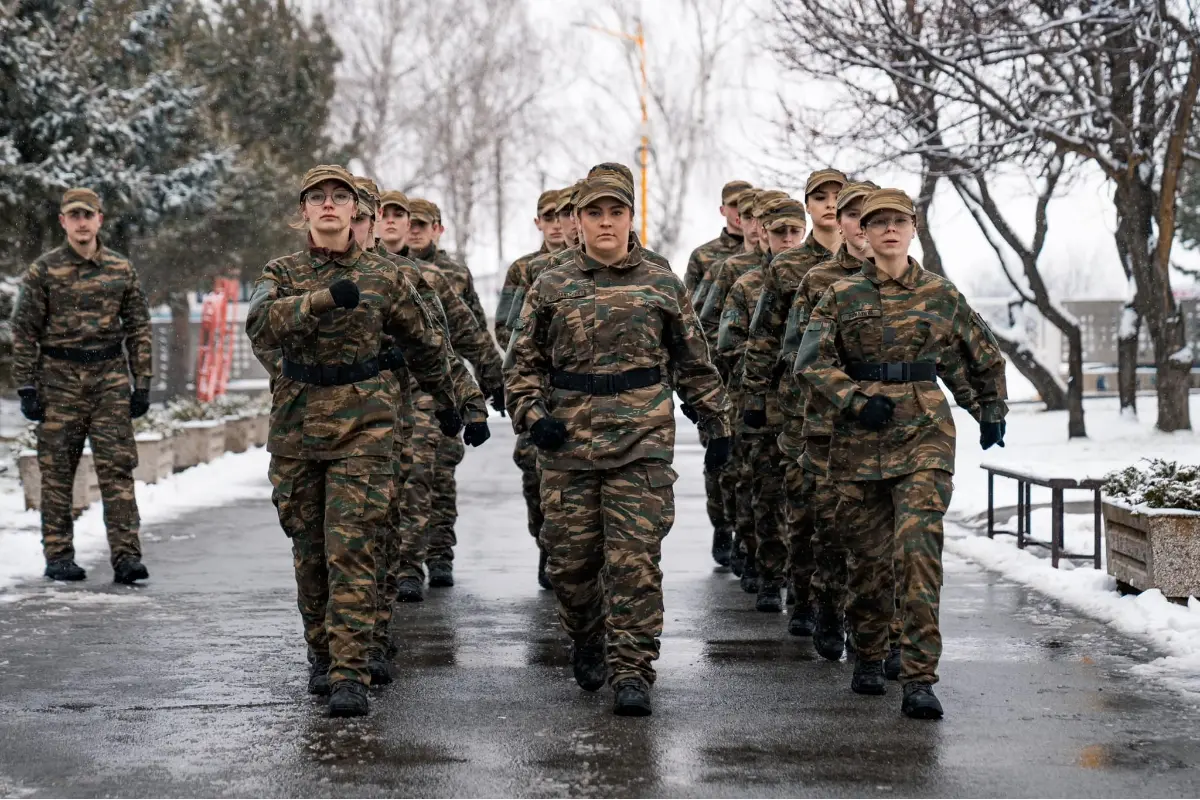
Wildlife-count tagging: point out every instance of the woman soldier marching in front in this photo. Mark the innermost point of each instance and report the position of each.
(587, 377)
(874, 347)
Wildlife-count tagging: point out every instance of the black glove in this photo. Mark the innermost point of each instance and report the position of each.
(548, 433)
(877, 413)
(476, 433)
(991, 433)
(31, 406)
(717, 453)
(689, 412)
(390, 359)
(344, 293)
(497, 397)
(449, 420)
(754, 418)
(139, 403)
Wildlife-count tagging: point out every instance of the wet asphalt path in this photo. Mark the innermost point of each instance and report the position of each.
(195, 685)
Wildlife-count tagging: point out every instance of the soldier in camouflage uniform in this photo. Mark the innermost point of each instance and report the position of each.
(760, 488)
(486, 360)
(587, 371)
(874, 348)
(333, 421)
(78, 304)
(763, 374)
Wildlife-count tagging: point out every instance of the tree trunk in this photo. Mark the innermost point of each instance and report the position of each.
(1075, 426)
(1048, 387)
(179, 361)
(1173, 363)
(932, 256)
(1127, 357)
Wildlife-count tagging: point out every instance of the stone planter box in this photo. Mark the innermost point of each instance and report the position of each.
(260, 429)
(156, 457)
(1153, 548)
(239, 434)
(198, 442)
(85, 491)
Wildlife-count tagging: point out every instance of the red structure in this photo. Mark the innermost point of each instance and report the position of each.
(218, 326)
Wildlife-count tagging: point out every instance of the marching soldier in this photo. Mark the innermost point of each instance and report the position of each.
(587, 371)
(727, 244)
(875, 346)
(80, 327)
(333, 418)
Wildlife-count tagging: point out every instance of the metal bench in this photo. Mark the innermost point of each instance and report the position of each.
(1057, 484)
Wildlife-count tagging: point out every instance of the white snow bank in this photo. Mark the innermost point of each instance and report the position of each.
(228, 479)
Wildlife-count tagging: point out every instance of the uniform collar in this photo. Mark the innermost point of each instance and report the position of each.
(73, 255)
(428, 254)
(324, 255)
(847, 261)
(813, 246)
(589, 264)
(729, 239)
(908, 279)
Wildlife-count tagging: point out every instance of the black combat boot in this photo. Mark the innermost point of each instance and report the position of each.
(381, 672)
(800, 623)
(768, 600)
(791, 594)
(920, 702)
(64, 569)
(128, 570)
(409, 590)
(441, 574)
(891, 664)
(543, 581)
(587, 661)
(737, 560)
(722, 546)
(318, 675)
(632, 698)
(347, 699)
(749, 578)
(868, 678)
(828, 636)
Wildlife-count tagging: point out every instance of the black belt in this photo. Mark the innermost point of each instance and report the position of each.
(606, 384)
(81, 356)
(893, 372)
(331, 374)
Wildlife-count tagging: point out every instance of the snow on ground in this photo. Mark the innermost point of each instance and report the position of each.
(1038, 440)
(228, 479)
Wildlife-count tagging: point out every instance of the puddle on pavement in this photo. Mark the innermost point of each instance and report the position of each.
(754, 651)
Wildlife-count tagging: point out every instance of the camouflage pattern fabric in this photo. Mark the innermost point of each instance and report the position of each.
(799, 487)
(468, 339)
(459, 276)
(827, 543)
(389, 545)
(715, 500)
(725, 275)
(739, 472)
(870, 317)
(336, 422)
(525, 457)
(332, 511)
(877, 518)
(87, 401)
(769, 502)
(595, 319)
(66, 300)
(444, 505)
(417, 504)
(704, 256)
(603, 537)
(512, 293)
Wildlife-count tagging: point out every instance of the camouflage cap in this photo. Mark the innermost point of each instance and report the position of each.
(80, 198)
(745, 201)
(368, 195)
(327, 172)
(566, 198)
(437, 211)
(731, 191)
(421, 210)
(547, 201)
(393, 198)
(888, 200)
(613, 167)
(852, 191)
(781, 213)
(606, 183)
(823, 176)
(765, 197)
(363, 182)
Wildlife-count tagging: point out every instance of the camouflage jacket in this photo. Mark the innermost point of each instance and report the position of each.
(870, 317)
(731, 344)
(585, 317)
(467, 340)
(332, 422)
(66, 300)
(704, 256)
(512, 294)
(725, 274)
(781, 278)
(460, 278)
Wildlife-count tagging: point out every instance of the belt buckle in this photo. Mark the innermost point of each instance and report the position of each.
(897, 373)
(601, 384)
(327, 374)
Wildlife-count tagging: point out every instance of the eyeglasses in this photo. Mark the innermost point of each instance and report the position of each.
(317, 197)
(881, 224)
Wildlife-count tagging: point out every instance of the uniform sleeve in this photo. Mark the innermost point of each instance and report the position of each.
(28, 323)
(762, 350)
(512, 282)
(526, 365)
(470, 340)
(695, 271)
(471, 298)
(471, 401)
(275, 317)
(135, 322)
(731, 336)
(695, 376)
(426, 349)
(714, 302)
(819, 359)
(977, 368)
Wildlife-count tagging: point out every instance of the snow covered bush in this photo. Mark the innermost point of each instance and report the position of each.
(180, 410)
(1159, 484)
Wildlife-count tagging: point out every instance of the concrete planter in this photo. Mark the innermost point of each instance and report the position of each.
(198, 442)
(156, 457)
(239, 434)
(1154, 548)
(85, 491)
(260, 429)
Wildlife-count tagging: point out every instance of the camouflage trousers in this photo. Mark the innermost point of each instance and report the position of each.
(603, 537)
(87, 402)
(764, 471)
(721, 502)
(828, 544)
(332, 510)
(525, 457)
(416, 506)
(878, 519)
(390, 545)
(740, 470)
(799, 488)
(444, 506)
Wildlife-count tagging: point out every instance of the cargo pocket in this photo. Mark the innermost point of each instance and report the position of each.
(660, 478)
(920, 502)
(281, 497)
(358, 490)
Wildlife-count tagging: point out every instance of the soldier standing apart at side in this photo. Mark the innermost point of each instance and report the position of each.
(333, 414)
(78, 305)
(587, 371)
(874, 348)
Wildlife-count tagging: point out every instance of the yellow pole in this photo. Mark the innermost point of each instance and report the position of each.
(645, 152)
